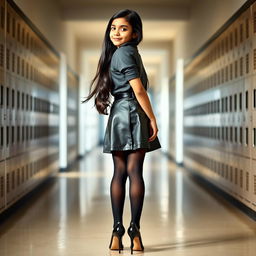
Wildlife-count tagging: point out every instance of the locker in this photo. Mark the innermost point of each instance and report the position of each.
(29, 108)
(220, 101)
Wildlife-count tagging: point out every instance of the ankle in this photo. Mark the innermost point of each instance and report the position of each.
(117, 223)
(119, 228)
(134, 223)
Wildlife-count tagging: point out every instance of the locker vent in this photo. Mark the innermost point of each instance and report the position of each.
(247, 181)
(8, 58)
(231, 40)
(246, 136)
(2, 186)
(18, 65)
(241, 33)
(13, 179)
(27, 174)
(13, 62)
(31, 169)
(1, 137)
(1, 55)
(241, 66)
(247, 63)
(226, 174)
(254, 137)
(231, 173)
(2, 100)
(18, 132)
(236, 174)
(2, 17)
(241, 178)
(7, 128)
(18, 176)
(13, 27)
(222, 75)
(254, 182)
(236, 36)
(226, 73)
(22, 67)
(241, 135)
(236, 69)
(12, 134)
(254, 22)
(247, 28)
(254, 98)
(8, 23)
(8, 183)
(22, 175)
(226, 44)
(18, 32)
(254, 58)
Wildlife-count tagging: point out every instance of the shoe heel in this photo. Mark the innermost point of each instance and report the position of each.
(116, 246)
(120, 244)
(133, 232)
(132, 245)
(117, 233)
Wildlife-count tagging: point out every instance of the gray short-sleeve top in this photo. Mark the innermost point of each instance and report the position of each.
(126, 64)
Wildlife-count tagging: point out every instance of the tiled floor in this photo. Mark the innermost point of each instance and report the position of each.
(72, 215)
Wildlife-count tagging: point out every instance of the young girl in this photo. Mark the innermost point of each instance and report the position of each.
(131, 129)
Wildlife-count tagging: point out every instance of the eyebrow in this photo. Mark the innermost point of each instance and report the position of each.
(120, 25)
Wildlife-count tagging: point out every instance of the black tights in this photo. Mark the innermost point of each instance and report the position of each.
(127, 164)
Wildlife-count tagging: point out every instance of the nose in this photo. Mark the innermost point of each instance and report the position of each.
(116, 32)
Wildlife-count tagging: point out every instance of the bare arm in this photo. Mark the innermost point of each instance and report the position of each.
(143, 99)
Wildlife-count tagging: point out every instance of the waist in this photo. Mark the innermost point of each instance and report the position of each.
(121, 95)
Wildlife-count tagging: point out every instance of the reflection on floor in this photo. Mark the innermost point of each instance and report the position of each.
(72, 215)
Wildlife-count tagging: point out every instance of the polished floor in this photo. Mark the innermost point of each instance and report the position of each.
(72, 215)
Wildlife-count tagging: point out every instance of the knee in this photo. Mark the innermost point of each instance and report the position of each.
(120, 172)
(134, 173)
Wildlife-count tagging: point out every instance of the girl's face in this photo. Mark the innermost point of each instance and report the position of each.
(121, 32)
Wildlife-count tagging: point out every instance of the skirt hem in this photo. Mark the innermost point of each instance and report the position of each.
(130, 147)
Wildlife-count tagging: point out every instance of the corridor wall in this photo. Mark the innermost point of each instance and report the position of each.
(29, 106)
(220, 108)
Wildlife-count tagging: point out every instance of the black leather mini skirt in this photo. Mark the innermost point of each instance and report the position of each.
(128, 126)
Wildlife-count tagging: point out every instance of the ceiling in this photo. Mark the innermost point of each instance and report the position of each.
(69, 3)
(153, 31)
(104, 9)
(162, 19)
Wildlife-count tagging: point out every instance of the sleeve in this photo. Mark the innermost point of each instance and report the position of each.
(126, 64)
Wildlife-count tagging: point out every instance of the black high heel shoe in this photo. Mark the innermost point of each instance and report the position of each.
(134, 234)
(116, 239)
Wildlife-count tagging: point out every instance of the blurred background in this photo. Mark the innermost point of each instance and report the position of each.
(199, 56)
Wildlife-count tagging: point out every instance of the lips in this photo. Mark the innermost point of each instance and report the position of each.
(117, 38)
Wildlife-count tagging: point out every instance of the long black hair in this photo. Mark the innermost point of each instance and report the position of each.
(103, 77)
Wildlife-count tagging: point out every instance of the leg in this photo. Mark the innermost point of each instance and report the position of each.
(135, 161)
(117, 187)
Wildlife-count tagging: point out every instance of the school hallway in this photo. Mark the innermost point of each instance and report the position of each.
(71, 215)
(196, 60)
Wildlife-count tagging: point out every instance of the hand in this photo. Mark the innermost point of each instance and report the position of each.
(153, 129)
